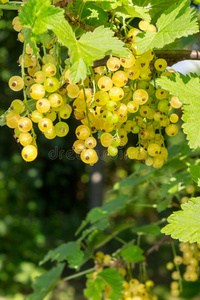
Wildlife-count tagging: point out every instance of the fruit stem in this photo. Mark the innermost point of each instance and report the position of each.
(87, 111)
(23, 77)
(44, 49)
(177, 266)
(78, 274)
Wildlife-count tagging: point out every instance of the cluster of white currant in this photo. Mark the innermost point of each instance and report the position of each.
(40, 84)
(190, 258)
(115, 100)
(190, 255)
(133, 289)
(125, 99)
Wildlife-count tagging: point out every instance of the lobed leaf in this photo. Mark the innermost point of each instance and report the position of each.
(114, 280)
(45, 283)
(91, 46)
(171, 25)
(132, 254)
(155, 7)
(187, 89)
(185, 224)
(36, 15)
(99, 213)
(69, 251)
(94, 15)
(98, 238)
(94, 289)
(195, 172)
(151, 228)
(134, 11)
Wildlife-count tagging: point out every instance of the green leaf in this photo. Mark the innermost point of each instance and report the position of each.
(148, 229)
(31, 39)
(134, 179)
(132, 254)
(187, 89)
(98, 238)
(113, 206)
(36, 15)
(174, 183)
(94, 15)
(164, 204)
(70, 252)
(110, 4)
(114, 279)
(185, 224)
(94, 289)
(195, 172)
(45, 283)
(91, 46)
(134, 12)
(171, 25)
(156, 7)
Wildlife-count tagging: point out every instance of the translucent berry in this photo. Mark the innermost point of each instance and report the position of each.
(12, 120)
(43, 105)
(37, 91)
(140, 96)
(25, 138)
(45, 124)
(51, 134)
(116, 93)
(112, 151)
(49, 69)
(36, 116)
(62, 129)
(65, 111)
(51, 84)
(113, 63)
(39, 77)
(160, 64)
(73, 90)
(89, 156)
(82, 132)
(129, 61)
(90, 142)
(29, 153)
(16, 83)
(171, 130)
(120, 78)
(78, 146)
(105, 83)
(175, 102)
(153, 149)
(55, 100)
(25, 124)
(106, 139)
(17, 106)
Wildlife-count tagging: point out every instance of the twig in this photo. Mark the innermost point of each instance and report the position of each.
(171, 56)
(63, 3)
(157, 245)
